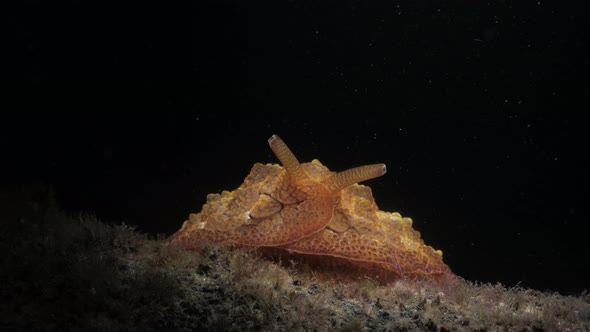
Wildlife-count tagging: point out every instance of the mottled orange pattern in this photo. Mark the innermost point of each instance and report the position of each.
(307, 209)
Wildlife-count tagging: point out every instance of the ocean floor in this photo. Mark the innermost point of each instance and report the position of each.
(61, 272)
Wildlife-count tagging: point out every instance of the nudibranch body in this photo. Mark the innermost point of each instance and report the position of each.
(307, 209)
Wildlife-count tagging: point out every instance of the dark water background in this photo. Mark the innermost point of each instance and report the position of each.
(137, 112)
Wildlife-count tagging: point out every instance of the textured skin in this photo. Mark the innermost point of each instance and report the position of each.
(266, 210)
(271, 209)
